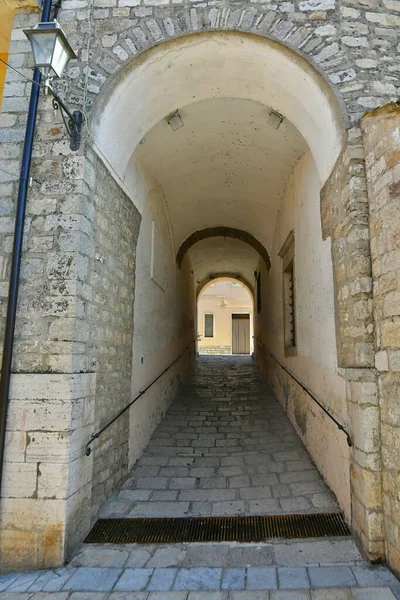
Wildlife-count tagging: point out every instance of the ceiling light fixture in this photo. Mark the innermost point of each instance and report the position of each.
(275, 119)
(174, 120)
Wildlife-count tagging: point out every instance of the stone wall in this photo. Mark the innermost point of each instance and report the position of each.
(109, 320)
(46, 492)
(381, 129)
(344, 216)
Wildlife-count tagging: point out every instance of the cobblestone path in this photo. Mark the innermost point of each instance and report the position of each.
(225, 447)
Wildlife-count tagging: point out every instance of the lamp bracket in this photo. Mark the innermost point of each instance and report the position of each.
(75, 120)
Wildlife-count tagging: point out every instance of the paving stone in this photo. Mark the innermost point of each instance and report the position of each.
(178, 461)
(16, 596)
(251, 493)
(293, 578)
(135, 495)
(65, 595)
(233, 579)
(129, 596)
(228, 508)
(312, 553)
(331, 576)
(207, 495)
(324, 500)
(294, 504)
(247, 595)
(213, 483)
(133, 580)
(160, 461)
(164, 496)
(7, 580)
(138, 558)
(99, 555)
(23, 582)
(202, 472)
(332, 594)
(208, 596)
(198, 579)
(264, 506)
(290, 595)
(160, 509)
(182, 483)
(167, 557)
(162, 579)
(374, 576)
(296, 476)
(85, 596)
(167, 596)
(373, 594)
(281, 490)
(153, 483)
(52, 580)
(261, 578)
(93, 579)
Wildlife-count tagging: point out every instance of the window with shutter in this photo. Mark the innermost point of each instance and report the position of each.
(208, 325)
(289, 295)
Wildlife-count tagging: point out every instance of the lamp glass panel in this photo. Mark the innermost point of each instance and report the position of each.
(60, 57)
(43, 47)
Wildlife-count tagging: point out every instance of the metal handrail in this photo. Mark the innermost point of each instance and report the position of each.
(96, 435)
(310, 393)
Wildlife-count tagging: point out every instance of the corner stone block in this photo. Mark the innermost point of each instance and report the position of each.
(46, 512)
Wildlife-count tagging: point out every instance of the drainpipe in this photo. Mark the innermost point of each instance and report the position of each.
(17, 252)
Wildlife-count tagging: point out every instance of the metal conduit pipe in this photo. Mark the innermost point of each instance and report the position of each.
(17, 252)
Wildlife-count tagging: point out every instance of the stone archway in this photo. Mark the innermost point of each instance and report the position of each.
(76, 245)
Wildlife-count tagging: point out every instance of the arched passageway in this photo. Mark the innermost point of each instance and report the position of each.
(239, 137)
(226, 171)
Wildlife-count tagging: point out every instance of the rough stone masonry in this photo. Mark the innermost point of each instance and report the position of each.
(66, 357)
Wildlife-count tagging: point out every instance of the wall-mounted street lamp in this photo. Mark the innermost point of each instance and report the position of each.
(52, 53)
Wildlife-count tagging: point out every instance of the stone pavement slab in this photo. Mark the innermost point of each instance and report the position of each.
(331, 577)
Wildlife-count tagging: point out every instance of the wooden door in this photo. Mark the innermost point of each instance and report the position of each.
(240, 334)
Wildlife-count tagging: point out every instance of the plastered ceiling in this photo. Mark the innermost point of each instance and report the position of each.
(225, 167)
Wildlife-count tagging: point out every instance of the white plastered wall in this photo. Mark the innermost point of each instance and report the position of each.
(316, 363)
(163, 316)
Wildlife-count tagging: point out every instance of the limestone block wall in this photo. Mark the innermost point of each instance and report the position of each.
(47, 479)
(109, 320)
(344, 217)
(381, 129)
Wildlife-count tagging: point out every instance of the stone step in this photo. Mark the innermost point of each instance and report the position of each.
(223, 554)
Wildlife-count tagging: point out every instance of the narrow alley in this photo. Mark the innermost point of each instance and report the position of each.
(225, 447)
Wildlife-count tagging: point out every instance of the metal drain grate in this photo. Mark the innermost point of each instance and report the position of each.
(217, 529)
